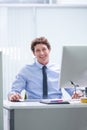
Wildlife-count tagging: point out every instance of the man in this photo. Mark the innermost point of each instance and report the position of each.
(30, 78)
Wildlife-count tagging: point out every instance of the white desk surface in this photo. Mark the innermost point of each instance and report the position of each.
(39, 116)
(26, 105)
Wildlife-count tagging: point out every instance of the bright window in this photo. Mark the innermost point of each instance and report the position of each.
(72, 1)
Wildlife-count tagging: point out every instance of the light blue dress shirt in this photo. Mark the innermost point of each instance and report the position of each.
(30, 79)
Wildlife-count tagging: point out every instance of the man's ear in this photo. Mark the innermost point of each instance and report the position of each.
(49, 50)
(34, 53)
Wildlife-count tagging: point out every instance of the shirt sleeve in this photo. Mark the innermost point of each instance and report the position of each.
(18, 85)
(70, 91)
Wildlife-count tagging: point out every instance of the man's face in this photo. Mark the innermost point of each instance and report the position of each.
(42, 53)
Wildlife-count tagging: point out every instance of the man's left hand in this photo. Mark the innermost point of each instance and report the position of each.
(76, 95)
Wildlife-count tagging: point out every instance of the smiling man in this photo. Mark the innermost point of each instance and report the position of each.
(30, 78)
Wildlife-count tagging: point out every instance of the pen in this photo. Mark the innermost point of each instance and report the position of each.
(56, 101)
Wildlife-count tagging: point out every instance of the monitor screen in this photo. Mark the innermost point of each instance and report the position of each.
(74, 66)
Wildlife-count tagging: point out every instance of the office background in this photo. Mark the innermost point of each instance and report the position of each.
(21, 22)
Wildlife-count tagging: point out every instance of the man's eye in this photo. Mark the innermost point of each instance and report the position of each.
(44, 49)
(37, 50)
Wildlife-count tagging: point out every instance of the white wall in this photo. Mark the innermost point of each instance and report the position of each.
(19, 25)
(1, 94)
(63, 25)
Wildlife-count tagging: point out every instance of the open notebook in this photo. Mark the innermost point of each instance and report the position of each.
(54, 101)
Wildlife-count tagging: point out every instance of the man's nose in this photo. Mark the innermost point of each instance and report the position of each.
(41, 52)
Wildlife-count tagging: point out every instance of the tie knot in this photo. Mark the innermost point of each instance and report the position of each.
(44, 67)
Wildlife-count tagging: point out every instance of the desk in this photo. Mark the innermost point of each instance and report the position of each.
(38, 116)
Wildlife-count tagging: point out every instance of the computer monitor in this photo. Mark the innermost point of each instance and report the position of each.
(74, 66)
(1, 94)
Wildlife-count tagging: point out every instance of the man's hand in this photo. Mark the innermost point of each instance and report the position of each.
(77, 95)
(14, 97)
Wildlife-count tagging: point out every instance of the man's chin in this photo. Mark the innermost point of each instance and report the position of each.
(43, 62)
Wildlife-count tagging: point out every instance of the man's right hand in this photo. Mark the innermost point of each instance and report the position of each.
(14, 97)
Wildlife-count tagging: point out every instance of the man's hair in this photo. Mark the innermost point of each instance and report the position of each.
(40, 40)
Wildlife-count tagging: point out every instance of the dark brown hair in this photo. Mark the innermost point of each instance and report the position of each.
(40, 40)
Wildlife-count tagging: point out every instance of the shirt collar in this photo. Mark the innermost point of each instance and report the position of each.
(40, 65)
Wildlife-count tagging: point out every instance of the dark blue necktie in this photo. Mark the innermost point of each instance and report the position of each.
(45, 88)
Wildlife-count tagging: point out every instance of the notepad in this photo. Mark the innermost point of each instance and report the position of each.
(54, 102)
